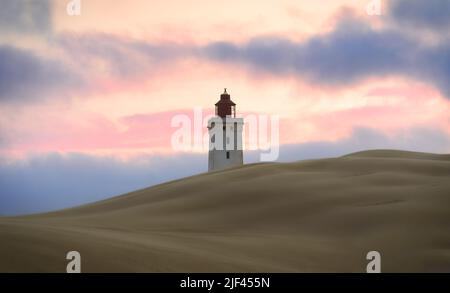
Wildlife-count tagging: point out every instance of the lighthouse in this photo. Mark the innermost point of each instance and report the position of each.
(225, 135)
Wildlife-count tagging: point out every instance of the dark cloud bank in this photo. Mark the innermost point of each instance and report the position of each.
(25, 75)
(421, 14)
(25, 16)
(55, 181)
(349, 54)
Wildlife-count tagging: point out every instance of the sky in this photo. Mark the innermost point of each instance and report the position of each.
(86, 101)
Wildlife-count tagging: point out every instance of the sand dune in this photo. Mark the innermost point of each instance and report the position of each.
(308, 216)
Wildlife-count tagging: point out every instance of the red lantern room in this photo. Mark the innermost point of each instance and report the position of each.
(225, 106)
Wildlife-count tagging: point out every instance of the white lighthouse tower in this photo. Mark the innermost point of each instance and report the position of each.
(225, 136)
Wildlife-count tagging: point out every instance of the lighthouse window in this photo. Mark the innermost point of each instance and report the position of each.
(228, 155)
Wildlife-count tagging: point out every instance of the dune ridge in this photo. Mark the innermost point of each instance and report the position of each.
(308, 216)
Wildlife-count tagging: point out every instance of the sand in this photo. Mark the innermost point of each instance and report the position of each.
(308, 216)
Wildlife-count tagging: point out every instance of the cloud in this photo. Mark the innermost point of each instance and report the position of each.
(433, 64)
(85, 63)
(351, 53)
(54, 181)
(25, 16)
(140, 131)
(25, 75)
(430, 14)
(121, 57)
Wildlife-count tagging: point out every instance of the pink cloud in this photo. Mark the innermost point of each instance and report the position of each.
(151, 131)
